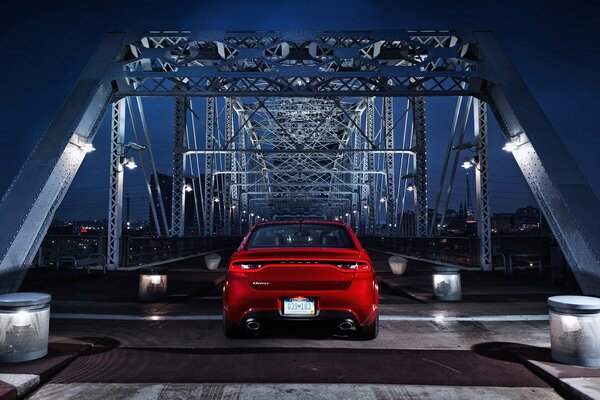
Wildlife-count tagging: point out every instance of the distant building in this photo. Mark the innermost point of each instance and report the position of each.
(502, 223)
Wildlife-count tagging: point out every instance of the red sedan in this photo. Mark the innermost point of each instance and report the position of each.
(308, 271)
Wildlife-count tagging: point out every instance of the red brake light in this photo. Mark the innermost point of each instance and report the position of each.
(245, 266)
(354, 266)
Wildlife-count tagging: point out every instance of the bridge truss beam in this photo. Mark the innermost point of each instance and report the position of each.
(341, 73)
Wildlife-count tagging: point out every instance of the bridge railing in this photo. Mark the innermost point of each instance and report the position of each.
(135, 250)
(459, 250)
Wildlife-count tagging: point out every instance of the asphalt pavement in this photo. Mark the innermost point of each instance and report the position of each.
(107, 345)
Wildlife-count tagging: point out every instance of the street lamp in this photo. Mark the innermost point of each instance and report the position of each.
(188, 188)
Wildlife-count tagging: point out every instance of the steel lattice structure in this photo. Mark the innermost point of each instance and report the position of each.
(307, 117)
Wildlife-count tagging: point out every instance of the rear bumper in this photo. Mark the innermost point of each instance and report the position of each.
(359, 302)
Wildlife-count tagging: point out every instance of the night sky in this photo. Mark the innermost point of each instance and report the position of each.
(553, 44)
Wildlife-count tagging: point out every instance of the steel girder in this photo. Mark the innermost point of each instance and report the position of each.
(115, 201)
(179, 148)
(314, 63)
(29, 204)
(484, 227)
(293, 64)
(390, 214)
(420, 174)
(209, 204)
(560, 188)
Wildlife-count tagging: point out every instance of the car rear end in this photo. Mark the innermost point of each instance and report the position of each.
(321, 274)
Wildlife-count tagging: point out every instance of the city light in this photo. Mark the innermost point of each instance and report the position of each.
(188, 188)
(216, 199)
(410, 188)
(382, 200)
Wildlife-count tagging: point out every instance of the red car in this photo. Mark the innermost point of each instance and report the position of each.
(301, 270)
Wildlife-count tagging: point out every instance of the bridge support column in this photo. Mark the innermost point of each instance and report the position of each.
(209, 203)
(484, 227)
(420, 166)
(115, 199)
(390, 215)
(29, 204)
(560, 188)
(178, 188)
(370, 178)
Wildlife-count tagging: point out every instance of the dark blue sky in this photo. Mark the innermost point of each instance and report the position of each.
(553, 44)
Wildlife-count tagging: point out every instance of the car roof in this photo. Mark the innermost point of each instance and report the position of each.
(297, 221)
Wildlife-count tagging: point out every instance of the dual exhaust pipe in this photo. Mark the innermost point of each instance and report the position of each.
(346, 325)
(252, 325)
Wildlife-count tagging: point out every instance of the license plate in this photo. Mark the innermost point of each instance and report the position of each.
(299, 306)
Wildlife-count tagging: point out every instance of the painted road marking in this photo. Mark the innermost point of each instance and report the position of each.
(218, 317)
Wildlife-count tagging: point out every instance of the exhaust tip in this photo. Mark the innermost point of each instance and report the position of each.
(347, 325)
(252, 325)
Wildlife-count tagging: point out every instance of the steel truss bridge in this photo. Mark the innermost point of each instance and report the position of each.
(275, 124)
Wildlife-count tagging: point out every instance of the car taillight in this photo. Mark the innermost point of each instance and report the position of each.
(354, 266)
(245, 266)
(250, 266)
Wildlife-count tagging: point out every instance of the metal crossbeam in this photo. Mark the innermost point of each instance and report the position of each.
(300, 98)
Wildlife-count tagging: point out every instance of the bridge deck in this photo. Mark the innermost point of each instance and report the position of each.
(175, 348)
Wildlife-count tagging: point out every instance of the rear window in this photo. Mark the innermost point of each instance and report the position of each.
(300, 235)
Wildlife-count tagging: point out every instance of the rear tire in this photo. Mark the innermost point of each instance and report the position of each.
(370, 331)
(230, 330)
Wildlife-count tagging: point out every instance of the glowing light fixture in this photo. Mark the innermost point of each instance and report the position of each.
(188, 188)
(129, 163)
(468, 162)
(446, 283)
(410, 188)
(509, 146)
(87, 147)
(153, 283)
(24, 325)
(575, 330)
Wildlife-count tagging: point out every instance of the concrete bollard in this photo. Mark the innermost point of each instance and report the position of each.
(24, 326)
(212, 261)
(575, 330)
(398, 265)
(446, 283)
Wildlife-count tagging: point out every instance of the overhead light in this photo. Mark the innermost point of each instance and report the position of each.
(382, 200)
(233, 207)
(347, 214)
(252, 214)
(129, 163)
(509, 146)
(216, 199)
(354, 211)
(365, 207)
(410, 188)
(467, 163)
(87, 147)
(188, 188)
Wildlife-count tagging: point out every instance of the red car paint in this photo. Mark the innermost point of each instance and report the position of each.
(308, 272)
